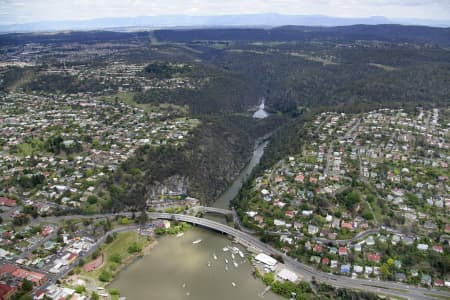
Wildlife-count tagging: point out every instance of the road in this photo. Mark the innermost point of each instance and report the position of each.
(53, 278)
(350, 132)
(308, 273)
(321, 124)
(329, 154)
(40, 243)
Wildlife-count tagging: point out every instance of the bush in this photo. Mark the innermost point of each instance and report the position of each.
(124, 221)
(160, 230)
(104, 276)
(114, 292)
(116, 258)
(92, 199)
(134, 248)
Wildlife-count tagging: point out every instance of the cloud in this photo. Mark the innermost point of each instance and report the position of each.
(36, 10)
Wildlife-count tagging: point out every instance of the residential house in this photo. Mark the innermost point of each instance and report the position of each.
(345, 269)
(6, 291)
(422, 247)
(343, 251)
(373, 257)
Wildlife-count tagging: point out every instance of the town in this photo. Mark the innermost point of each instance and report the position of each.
(367, 197)
(358, 201)
(275, 165)
(56, 149)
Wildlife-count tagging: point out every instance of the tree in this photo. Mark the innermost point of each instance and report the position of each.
(124, 221)
(92, 199)
(20, 220)
(104, 276)
(27, 285)
(82, 262)
(109, 239)
(107, 226)
(116, 258)
(142, 219)
(134, 248)
(94, 296)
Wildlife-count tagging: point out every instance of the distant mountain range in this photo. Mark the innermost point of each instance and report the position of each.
(248, 20)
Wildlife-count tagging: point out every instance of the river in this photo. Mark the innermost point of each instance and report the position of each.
(176, 262)
(177, 269)
(224, 200)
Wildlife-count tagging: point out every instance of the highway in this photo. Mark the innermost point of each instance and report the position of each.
(308, 273)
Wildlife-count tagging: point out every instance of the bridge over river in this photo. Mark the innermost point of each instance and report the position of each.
(308, 273)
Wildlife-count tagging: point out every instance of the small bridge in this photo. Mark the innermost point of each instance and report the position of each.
(215, 210)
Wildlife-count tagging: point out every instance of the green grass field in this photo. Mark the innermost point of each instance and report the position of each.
(118, 247)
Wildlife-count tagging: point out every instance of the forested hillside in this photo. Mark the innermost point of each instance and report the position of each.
(218, 91)
(219, 75)
(392, 33)
(209, 161)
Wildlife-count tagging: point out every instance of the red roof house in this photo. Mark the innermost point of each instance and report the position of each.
(7, 202)
(343, 251)
(374, 257)
(6, 291)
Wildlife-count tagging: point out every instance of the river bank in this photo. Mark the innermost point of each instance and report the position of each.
(122, 251)
(176, 269)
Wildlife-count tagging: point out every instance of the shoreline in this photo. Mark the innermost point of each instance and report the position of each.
(130, 260)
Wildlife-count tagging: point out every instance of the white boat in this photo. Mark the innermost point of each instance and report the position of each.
(197, 241)
(183, 285)
(241, 254)
(180, 234)
(232, 255)
(225, 249)
(226, 260)
(214, 256)
(188, 294)
(235, 264)
(235, 250)
(233, 284)
(226, 267)
(209, 264)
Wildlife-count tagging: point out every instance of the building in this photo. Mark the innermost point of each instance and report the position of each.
(7, 202)
(374, 257)
(266, 259)
(286, 274)
(345, 269)
(36, 278)
(342, 251)
(6, 291)
(7, 270)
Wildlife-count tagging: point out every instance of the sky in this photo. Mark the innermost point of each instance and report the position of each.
(25, 11)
